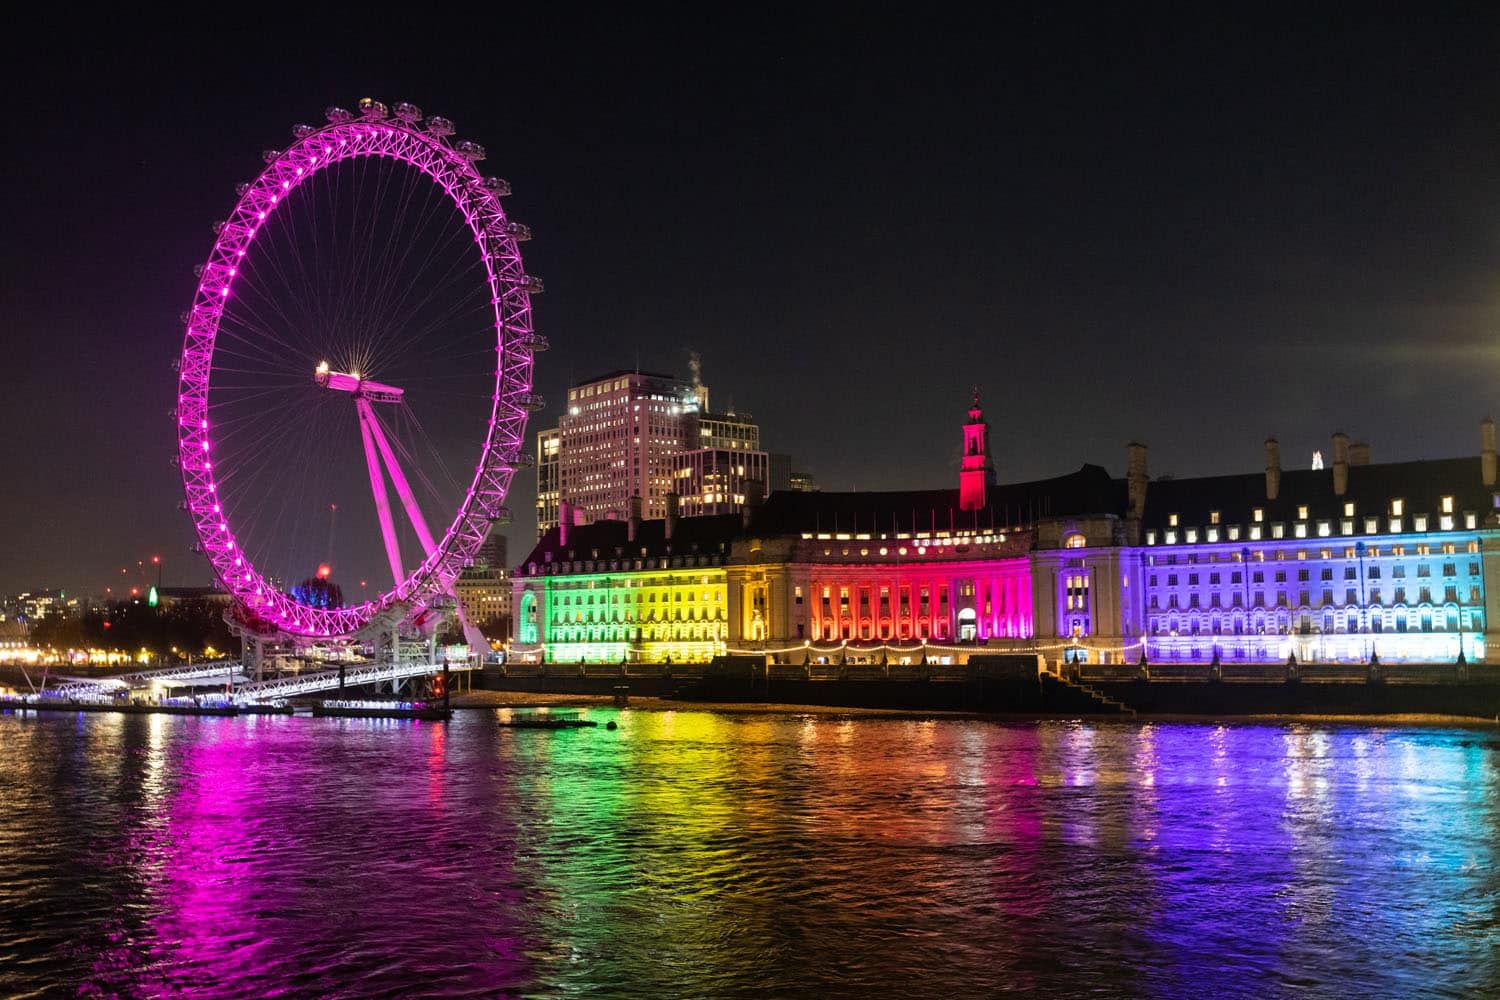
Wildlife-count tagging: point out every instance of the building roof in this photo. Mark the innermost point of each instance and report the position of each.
(1090, 490)
(709, 535)
(1422, 484)
(623, 373)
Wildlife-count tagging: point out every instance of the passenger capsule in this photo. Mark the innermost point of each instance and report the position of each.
(270, 155)
(338, 115)
(496, 186)
(439, 126)
(470, 150)
(302, 131)
(408, 112)
(372, 109)
(241, 188)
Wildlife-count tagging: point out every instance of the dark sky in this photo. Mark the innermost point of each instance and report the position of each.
(1191, 233)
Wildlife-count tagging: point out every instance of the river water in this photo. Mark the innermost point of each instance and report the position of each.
(692, 854)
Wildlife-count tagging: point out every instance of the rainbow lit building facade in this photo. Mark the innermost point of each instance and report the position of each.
(1326, 565)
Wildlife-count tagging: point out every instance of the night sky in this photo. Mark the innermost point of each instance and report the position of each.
(1193, 234)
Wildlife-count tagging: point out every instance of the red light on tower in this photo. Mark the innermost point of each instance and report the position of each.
(324, 571)
(156, 560)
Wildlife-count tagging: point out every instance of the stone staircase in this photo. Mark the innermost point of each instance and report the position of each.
(1075, 694)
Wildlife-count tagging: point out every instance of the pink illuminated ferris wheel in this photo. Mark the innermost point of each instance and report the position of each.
(356, 375)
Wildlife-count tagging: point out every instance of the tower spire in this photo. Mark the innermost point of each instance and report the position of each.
(977, 472)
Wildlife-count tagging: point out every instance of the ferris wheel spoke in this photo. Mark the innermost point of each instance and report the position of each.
(291, 492)
(401, 308)
(397, 237)
(248, 314)
(415, 334)
(251, 352)
(410, 460)
(265, 282)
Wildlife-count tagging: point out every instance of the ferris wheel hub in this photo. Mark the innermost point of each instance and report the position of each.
(356, 386)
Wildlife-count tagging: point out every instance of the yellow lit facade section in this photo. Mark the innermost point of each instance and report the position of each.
(647, 616)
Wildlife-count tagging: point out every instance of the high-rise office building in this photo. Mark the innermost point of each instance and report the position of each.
(640, 434)
(548, 448)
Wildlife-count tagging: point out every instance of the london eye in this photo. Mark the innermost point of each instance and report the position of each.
(360, 339)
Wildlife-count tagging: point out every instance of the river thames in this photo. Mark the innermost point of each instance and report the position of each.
(694, 854)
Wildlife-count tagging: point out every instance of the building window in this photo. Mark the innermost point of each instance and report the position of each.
(1398, 507)
(1447, 505)
(1074, 541)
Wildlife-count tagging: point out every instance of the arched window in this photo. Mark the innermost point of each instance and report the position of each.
(527, 627)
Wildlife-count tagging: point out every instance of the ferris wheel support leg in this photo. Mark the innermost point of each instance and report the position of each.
(368, 429)
(478, 644)
(398, 478)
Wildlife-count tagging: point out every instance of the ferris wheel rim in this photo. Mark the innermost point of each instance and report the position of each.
(450, 167)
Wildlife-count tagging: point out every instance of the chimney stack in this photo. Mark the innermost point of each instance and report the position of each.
(1487, 451)
(1340, 463)
(1359, 454)
(1273, 468)
(1136, 478)
(633, 522)
(671, 522)
(755, 495)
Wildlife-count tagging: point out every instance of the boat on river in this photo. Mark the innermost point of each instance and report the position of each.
(545, 720)
(376, 709)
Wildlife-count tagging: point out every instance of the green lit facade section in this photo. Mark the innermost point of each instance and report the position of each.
(647, 616)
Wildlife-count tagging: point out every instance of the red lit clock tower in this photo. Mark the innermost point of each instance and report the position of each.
(977, 472)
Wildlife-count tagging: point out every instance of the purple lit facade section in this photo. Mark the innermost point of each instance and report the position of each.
(1323, 596)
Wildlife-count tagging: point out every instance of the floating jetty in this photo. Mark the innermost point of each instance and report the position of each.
(267, 708)
(120, 707)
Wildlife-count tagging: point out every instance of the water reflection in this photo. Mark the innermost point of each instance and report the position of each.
(693, 854)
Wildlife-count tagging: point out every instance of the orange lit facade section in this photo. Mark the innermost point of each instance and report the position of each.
(963, 588)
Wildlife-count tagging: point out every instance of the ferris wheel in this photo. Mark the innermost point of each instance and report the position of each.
(363, 318)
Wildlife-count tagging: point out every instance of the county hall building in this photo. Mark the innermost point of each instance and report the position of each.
(1341, 564)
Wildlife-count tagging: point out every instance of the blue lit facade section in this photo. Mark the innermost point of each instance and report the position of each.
(1333, 591)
